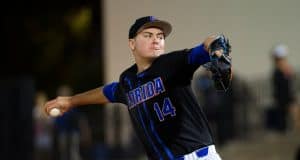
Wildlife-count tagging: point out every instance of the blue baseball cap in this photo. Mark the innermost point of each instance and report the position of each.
(147, 22)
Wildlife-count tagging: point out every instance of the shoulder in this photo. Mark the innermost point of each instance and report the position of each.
(178, 54)
(130, 70)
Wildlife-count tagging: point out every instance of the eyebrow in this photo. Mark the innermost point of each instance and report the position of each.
(159, 33)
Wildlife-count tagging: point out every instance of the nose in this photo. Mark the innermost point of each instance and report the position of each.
(156, 39)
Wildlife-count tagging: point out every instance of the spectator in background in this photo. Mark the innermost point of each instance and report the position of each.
(283, 89)
(43, 126)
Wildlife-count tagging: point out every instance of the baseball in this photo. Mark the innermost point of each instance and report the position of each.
(54, 112)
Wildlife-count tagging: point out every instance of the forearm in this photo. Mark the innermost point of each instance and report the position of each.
(94, 96)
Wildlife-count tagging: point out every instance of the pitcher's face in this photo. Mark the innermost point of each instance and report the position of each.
(149, 43)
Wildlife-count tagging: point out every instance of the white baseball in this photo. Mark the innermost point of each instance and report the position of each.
(54, 112)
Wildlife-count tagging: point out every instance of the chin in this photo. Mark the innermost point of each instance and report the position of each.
(158, 53)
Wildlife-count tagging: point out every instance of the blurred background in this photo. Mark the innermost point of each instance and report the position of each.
(53, 48)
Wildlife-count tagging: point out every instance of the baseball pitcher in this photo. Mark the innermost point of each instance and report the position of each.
(156, 90)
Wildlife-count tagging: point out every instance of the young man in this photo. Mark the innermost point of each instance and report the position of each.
(284, 94)
(156, 89)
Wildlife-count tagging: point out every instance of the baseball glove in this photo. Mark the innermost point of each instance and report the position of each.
(220, 65)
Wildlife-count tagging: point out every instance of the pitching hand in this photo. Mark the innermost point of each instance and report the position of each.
(61, 103)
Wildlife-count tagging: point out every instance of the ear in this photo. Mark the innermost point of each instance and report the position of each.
(131, 44)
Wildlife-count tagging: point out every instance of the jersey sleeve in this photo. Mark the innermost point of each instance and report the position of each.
(198, 55)
(113, 93)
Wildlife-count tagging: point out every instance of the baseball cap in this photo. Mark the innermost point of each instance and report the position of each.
(149, 21)
(280, 51)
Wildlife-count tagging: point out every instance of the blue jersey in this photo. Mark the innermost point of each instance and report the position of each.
(165, 114)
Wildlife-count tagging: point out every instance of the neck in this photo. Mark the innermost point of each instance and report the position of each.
(143, 64)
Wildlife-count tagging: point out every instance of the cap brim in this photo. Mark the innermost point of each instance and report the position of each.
(163, 25)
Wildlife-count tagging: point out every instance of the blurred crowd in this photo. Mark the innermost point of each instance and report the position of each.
(72, 136)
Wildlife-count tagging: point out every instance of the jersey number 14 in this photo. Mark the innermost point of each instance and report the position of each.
(167, 109)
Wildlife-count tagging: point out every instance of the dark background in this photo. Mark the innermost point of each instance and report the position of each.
(46, 44)
(38, 41)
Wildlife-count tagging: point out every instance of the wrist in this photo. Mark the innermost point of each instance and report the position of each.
(72, 102)
(208, 41)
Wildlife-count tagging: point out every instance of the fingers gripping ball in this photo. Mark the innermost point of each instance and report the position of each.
(220, 65)
(54, 112)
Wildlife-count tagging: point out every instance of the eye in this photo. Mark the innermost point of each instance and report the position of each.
(147, 35)
(161, 36)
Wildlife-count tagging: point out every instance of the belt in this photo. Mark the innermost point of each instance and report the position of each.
(202, 152)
